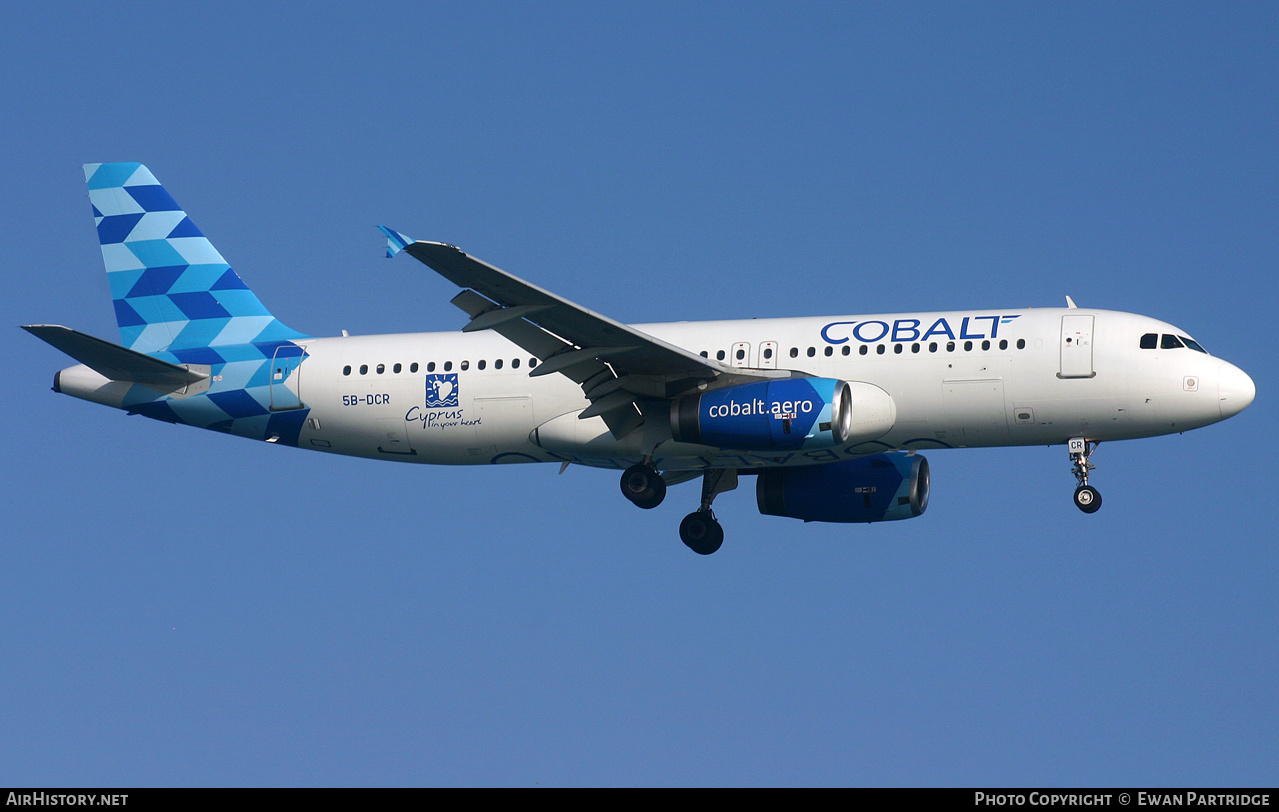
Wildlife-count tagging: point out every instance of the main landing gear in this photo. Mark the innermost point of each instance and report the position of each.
(700, 530)
(1087, 498)
(643, 485)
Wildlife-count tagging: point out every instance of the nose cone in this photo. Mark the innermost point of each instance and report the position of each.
(1234, 389)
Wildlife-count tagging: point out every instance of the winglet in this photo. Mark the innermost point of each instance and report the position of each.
(395, 241)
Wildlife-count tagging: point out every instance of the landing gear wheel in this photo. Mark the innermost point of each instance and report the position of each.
(701, 532)
(643, 486)
(1087, 499)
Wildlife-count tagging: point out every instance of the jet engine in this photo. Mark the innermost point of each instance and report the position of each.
(880, 488)
(789, 413)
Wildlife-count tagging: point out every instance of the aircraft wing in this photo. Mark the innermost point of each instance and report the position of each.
(615, 364)
(623, 347)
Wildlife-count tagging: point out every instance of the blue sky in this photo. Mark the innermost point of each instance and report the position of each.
(184, 608)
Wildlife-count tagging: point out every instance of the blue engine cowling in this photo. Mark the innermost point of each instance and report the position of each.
(790, 413)
(880, 488)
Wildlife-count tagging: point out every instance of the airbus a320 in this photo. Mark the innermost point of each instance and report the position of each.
(828, 414)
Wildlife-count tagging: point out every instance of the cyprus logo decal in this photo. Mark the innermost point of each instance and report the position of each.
(441, 391)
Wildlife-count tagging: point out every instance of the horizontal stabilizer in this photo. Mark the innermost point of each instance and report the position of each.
(113, 361)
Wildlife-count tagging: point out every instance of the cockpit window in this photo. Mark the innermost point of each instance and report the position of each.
(1150, 341)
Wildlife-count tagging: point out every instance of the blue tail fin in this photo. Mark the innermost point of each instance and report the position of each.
(172, 289)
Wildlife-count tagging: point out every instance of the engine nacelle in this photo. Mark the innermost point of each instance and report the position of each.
(880, 488)
(789, 413)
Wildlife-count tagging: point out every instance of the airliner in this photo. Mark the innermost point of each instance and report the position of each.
(828, 414)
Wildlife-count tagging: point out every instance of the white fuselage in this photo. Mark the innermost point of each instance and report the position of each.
(809, 405)
(957, 379)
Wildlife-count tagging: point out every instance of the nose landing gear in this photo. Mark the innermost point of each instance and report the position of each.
(1087, 498)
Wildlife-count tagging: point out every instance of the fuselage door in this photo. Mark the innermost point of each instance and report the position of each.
(767, 355)
(1076, 347)
(741, 356)
(286, 364)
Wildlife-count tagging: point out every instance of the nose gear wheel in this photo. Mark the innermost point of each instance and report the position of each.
(1087, 498)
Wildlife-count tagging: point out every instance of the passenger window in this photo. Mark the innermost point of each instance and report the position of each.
(413, 367)
(898, 348)
(448, 365)
(847, 350)
(879, 349)
(863, 349)
(932, 346)
(741, 355)
(532, 362)
(1003, 343)
(497, 364)
(719, 356)
(515, 363)
(768, 353)
(812, 351)
(430, 366)
(985, 345)
(1169, 342)
(397, 368)
(346, 370)
(1021, 343)
(465, 365)
(968, 346)
(705, 354)
(364, 369)
(914, 348)
(1149, 341)
(794, 352)
(481, 364)
(950, 346)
